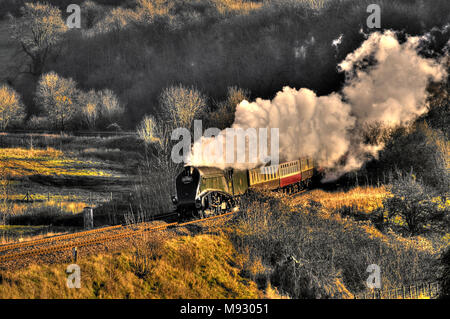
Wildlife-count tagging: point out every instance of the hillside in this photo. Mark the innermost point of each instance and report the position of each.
(246, 258)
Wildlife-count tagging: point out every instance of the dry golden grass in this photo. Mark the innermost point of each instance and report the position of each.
(19, 162)
(72, 207)
(13, 233)
(364, 199)
(10, 240)
(236, 6)
(183, 267)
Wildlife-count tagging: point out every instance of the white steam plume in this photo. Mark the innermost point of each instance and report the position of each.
(385, 82)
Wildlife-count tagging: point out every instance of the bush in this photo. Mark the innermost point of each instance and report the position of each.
(47, 216)
(89, 109)
(420, 149)
(413, 202)
(309, 253)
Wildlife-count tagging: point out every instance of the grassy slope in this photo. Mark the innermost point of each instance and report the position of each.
(188, 267)
(335, 251)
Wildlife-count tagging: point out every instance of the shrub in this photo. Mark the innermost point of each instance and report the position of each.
(38, 123)
(309, 252)
(438, 115)
(148, 130)
(110, 107)
(89, 109)
(413, 202)
(422, 150)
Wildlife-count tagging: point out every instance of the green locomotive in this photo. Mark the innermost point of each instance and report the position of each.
(208, 191)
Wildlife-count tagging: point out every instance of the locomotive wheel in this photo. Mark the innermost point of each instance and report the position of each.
(217, 204)
(198, 214)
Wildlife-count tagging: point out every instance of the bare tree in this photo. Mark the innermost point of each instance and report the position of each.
(413, 202)
(38, 31)
(148, 130)
(110, 106)
(11, 108)
(58, 97)
(89, 108)
(181, 105)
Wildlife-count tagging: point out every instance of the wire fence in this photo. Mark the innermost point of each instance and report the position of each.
(423, 290)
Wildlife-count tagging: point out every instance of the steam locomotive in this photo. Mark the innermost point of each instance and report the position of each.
(207, 191)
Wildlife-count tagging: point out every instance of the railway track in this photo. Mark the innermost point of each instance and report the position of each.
(7, 247)
(127, 232)
(30, 243)
(11, 252)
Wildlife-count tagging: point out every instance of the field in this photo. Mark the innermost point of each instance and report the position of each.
(52, 187)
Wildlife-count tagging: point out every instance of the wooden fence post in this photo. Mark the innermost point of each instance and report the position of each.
(88, 217)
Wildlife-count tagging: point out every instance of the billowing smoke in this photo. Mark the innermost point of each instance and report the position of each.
(386, 82)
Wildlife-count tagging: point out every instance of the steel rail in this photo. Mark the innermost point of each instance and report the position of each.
(98, 240)
(102, 239)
